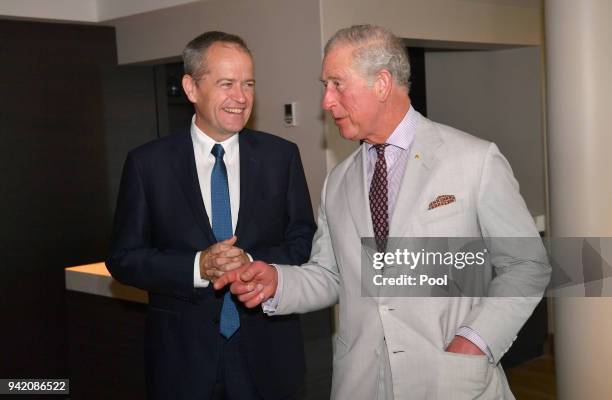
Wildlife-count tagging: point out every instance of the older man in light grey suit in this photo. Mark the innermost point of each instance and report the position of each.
(410, 177)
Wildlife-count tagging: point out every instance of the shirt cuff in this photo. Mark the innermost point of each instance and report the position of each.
(476, 339)
(198, 282)
(269, 306)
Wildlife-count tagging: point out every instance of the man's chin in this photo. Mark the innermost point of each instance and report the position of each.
(349, 135)
(233, 128)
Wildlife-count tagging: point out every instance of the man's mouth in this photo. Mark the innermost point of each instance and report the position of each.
(233, 110)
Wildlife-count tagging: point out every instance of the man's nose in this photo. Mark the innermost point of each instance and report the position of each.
(328, 99)
(238, 94)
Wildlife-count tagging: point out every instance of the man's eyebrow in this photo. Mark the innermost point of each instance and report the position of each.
(330, 78)
(233, 80)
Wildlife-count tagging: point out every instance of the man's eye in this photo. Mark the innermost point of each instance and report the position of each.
(249, 85)
(226, 84)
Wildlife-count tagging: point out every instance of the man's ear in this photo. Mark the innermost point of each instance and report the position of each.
(190, 87)
(383, 85)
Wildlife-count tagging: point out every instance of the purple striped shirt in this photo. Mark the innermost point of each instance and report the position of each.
(396, 155)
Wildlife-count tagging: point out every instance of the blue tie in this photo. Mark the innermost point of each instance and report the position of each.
(222, 229)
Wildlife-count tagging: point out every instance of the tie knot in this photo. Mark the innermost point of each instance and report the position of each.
(380, 149)
(218, 151)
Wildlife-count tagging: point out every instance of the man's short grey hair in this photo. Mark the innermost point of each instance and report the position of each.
(194, 54)
(375, 48)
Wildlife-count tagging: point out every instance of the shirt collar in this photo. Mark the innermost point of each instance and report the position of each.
(205, 143)
(404, 133)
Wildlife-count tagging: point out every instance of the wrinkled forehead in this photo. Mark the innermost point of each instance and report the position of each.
(338, 61)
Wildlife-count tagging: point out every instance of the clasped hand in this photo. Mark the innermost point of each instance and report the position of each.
(220, 258)
(252, 283)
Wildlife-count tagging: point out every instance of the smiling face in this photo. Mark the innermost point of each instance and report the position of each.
(349, 97)
(223, 96)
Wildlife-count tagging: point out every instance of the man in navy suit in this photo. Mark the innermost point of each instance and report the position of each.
(196, 204)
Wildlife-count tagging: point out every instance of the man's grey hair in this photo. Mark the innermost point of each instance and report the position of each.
(375, 48)
(194, 54)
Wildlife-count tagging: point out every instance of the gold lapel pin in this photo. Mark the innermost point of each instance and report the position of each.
(417, 156)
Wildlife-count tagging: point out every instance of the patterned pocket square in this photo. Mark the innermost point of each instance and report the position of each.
(442, 200)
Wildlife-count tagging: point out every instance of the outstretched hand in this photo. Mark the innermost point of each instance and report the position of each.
(252, 283)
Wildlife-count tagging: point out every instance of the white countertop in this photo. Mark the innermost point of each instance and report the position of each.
(95, 279)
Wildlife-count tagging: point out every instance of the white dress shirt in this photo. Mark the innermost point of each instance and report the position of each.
(205, 161)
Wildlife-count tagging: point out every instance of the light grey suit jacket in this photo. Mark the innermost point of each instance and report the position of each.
(393, 347)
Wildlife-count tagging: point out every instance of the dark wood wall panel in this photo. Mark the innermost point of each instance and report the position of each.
(53, 207)
(106, 347)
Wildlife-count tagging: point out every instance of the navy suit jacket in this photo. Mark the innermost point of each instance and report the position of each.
(160, 224)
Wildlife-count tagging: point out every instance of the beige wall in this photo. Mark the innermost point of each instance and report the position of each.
(108, 9)
(578, 99)
(453, 20)
(467, 21)
(284, 36)
(495, 95)
(82, 10)
(63, 10)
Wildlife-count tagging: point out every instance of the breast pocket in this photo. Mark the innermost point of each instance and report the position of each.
(457, 219)
(443, 212)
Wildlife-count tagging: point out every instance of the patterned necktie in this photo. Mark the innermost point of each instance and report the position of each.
(222, 229)
(379, 199)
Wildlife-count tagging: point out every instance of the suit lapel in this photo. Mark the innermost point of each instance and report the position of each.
(421, 162)
(356, 191)
(186, 173)
(249, 170)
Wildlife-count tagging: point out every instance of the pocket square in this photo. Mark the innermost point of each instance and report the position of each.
(442, 200)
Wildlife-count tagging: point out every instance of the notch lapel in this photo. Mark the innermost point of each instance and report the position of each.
(186, 173)
(421, 162)
(357, 196)
(249, 171)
